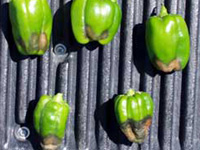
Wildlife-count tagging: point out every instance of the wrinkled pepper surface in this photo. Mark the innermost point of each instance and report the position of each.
(95, 20)
(50, 117)
(134, 111)
(31, 22)
(168, 41)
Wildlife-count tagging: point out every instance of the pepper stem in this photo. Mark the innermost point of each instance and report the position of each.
(58, 97)
(130, 92)
(163, 11)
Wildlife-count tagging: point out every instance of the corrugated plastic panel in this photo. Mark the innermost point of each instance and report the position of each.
(91, 75)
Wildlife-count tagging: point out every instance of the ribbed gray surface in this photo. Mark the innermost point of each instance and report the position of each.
(92, 75)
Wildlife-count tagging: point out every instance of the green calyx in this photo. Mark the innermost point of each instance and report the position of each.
(130, 92)
(31, 22)
(95, 20)
(50, 117)
(58, 98)
(168, 41)
(163, 11)
(134, 111)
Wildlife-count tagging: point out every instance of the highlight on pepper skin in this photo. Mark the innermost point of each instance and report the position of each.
(50, 118)
(168, 41)
(95, 20)
(31, 22)
(134, 112)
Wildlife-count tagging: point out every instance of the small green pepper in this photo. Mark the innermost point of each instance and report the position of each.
(50, 117)
(31, 22)
(168, 41)
(134, 111)
(95, 20)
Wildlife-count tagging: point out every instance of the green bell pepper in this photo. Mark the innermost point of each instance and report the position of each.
(134, 111)
(95, 20)
(168, 41)
(50, 117)
(31, 22)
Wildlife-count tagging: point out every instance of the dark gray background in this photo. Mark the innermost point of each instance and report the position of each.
(92, 75)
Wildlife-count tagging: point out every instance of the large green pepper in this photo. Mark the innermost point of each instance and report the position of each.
(50, 117)
(95, 20)
(31, 25)
(167, 41)
(134, 111)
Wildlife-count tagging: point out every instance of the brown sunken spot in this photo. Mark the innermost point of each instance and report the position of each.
(33, 42)
(51, 143)
(91, 35)
(38, 42)
(43, 41)
(173, 65)
(129, 133)
(147, 126)
(136, 131)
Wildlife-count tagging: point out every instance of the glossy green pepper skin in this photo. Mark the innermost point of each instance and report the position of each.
(50, 117)
(95, 20)
(31, 22)
(134, 111)
(168, 41)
